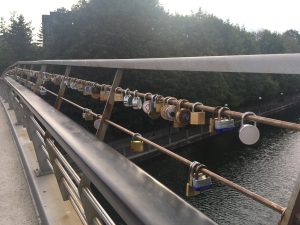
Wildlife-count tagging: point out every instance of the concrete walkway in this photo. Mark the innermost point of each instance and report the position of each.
(16, 206)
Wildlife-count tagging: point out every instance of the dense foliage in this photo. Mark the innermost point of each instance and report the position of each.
(141, 28)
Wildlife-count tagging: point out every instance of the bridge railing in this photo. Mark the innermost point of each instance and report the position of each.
(70, 139)
(131, 192)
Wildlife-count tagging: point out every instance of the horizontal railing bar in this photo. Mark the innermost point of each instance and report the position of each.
(269, 63)
(99, 209)
(67, 177)
(76, 201)
(39, 128)
(81, 217)
(64, 162)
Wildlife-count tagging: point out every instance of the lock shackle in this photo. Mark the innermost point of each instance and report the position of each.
(179, 102)
(135, 135)
(215, 112)
(171, 98)
(158, 98)
(221, 110)
(127, 91)
(87, 110)
(195, 104)
(245, 115)
(118, 88)
(134, 93)
(192, 171)
(107, 86)
(145, 96)
(153, 98)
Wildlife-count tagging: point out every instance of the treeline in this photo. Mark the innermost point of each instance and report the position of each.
(142, 29)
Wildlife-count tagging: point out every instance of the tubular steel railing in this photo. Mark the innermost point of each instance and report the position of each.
(76, 188)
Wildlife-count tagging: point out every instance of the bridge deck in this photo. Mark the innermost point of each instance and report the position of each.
(16, 205)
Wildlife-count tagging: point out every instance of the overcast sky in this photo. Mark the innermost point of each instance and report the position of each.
(276, 15)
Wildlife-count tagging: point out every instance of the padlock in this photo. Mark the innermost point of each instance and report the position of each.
(87, 90)
(224, 124)
(163, 108)
(43, 91)
(103, 93)
(248, 133)
(135, 144)
(95, 92)
(137, 102)
(118, 96)
(147, 104)
(201, 182)
(127, 100)
(79, 85)
(153, 114)
(197, 118)
(57, 80)
(168, 111)
(158, 103)
(212, 120)
(196, 180)
(97, 123)
(182, 116)
(87, 115)
(73, 85)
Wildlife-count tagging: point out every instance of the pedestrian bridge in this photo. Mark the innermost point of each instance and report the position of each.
(72, 177)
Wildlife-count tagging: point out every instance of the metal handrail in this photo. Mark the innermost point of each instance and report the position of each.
(130, 191)
(269, 63)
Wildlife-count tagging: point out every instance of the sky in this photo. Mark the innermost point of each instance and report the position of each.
(254, 15)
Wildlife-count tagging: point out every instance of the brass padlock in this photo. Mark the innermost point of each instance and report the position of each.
(87, 90)
(95, 92)
(104, 93)
(158, 103)
(87, 115)
(182, 117)
(79, 85)
(135, 144)
(197, 118)
(118, 96)
(212, 120)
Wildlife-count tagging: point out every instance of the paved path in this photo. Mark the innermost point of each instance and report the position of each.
(16, 206)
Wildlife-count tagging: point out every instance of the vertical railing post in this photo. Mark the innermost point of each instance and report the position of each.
(58, 174)
(109, 105)
(62, 89)
(291, 215)
(89, 210)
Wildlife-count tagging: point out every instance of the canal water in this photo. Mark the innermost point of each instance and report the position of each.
(268, 168)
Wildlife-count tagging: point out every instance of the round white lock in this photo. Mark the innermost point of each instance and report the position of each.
(249, 134)
(97, 123)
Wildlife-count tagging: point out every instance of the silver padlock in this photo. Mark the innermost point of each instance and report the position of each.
(147, 104)
(137, 102)
(248, 133)
(87, 90)
(201, 182)
(127, 101)
(224, 124)
(43, 91)
(97, 123)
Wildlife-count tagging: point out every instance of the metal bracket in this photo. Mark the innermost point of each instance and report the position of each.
(62, 89)
(39, 80)
(109, 105)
